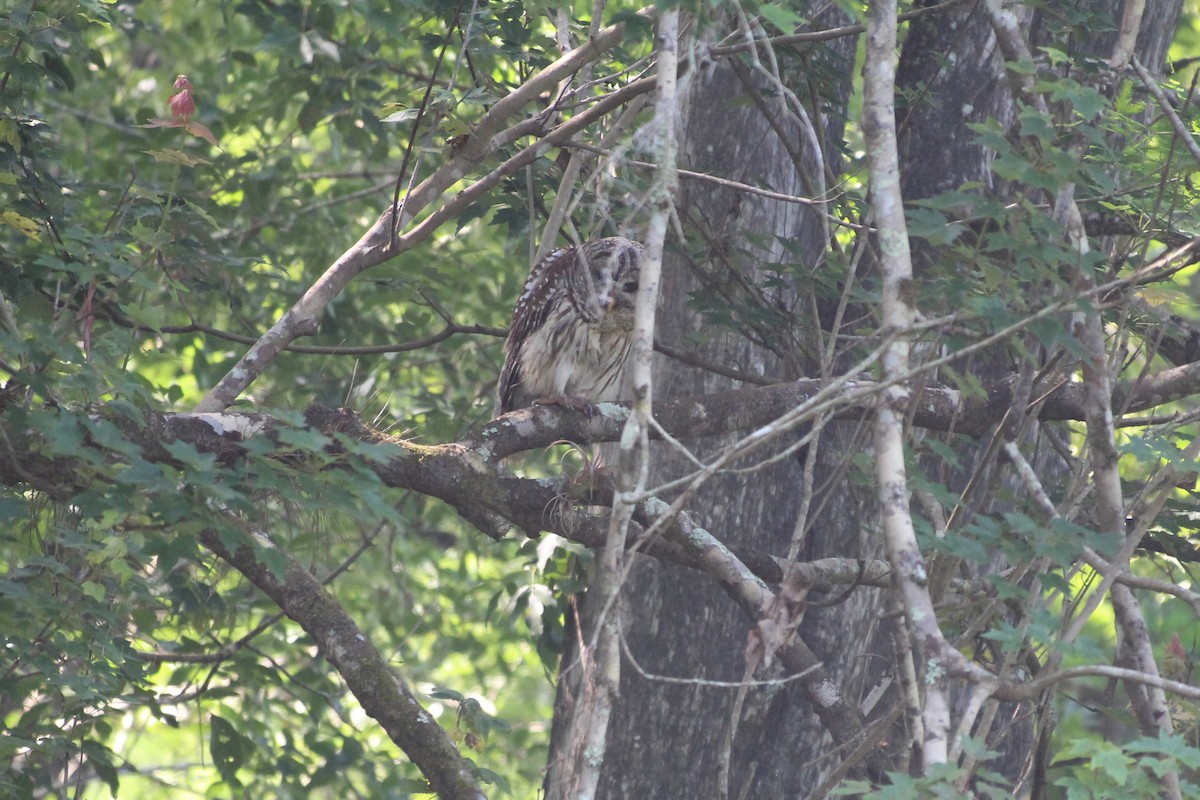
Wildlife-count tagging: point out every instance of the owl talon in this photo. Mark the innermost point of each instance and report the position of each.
(569, 401)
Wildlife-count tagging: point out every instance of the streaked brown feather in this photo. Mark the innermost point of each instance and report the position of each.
(572, 326)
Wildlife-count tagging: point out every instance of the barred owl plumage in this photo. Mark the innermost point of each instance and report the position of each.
(572, 327)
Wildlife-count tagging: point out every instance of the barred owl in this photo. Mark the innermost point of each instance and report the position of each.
(572, 327)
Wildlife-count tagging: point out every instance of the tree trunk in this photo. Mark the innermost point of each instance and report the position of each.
(669, 739)
(666, 738)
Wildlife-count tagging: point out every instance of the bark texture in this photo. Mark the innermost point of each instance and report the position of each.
(667, 739)
(776, 752)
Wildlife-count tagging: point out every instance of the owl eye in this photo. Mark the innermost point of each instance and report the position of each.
(630, 287)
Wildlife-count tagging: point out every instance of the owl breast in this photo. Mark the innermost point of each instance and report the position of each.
(568, 356)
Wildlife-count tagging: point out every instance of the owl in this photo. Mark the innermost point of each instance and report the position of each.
(572, 327)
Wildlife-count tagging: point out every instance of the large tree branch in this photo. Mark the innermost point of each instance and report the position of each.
(431, 469)
(460, 475)
(935, 407)
(479, 489)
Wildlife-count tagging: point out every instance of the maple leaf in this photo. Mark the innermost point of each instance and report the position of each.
(775, 628)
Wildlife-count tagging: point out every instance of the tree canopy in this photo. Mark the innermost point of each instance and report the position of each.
(261, 537)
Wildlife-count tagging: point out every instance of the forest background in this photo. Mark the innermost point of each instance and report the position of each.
(911, 472)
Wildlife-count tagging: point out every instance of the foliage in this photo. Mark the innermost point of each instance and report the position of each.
(137, 258)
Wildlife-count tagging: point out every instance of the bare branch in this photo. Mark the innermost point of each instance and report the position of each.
(602, 673)
(837, 714)
(1036, 687)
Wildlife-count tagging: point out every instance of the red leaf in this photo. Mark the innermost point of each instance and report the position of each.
(196, 129)
(182, 104)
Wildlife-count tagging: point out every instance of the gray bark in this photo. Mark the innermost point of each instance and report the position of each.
(665, 739)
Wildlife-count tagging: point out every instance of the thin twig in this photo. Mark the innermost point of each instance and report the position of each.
(416, 127)
(1185, 136)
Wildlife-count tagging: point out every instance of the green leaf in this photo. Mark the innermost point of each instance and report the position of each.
(783, 18)
(55, 64)
(304, 439)
(933, 226)
(1172, 746)
(99, 758)
(402, 115)
(153, 238)
(1113, 763)
(229, 749)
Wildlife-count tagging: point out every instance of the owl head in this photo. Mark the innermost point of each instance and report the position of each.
(604, 278)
